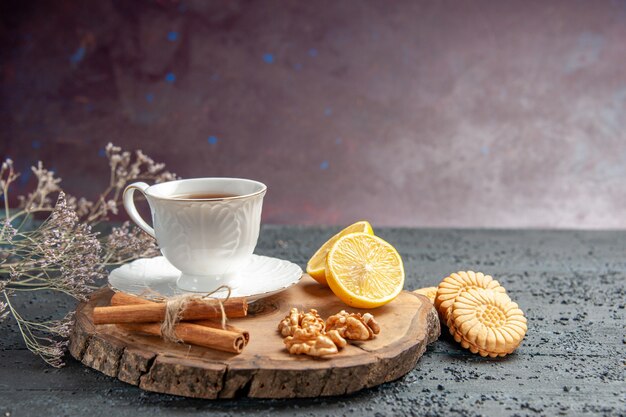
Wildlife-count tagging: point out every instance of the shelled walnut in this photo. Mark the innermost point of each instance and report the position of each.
(312, 320)
(310, 343)
(299, 320)
(337, 339)
(290, 323)
(353, 326)
(307, 333)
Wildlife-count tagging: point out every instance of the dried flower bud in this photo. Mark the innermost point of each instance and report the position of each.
(63, 253)
(3, 310)
(7, 232)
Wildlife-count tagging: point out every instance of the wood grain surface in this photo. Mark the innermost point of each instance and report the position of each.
(264, 369)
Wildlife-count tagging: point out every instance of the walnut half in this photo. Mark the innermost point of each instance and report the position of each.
(337, 339)
(290, 323)
(310, 343)
(299, 320)
(353, 326)
(313, 321)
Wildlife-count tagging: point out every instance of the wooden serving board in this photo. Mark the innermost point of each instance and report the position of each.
(264, 369)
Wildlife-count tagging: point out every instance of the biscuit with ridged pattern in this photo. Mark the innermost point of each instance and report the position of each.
(428, 292)
(487, 322)
(456, 283)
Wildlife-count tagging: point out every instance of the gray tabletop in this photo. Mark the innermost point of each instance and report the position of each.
(571, 286)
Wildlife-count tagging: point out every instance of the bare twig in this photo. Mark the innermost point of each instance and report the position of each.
(63, 253)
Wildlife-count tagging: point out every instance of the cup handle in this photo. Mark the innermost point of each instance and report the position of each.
(129, 205)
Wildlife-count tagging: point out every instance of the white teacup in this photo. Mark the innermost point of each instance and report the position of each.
(206, 227)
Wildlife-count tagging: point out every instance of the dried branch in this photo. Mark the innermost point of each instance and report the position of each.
(63, 253)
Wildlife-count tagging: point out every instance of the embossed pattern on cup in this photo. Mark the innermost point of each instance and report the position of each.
(207, 239)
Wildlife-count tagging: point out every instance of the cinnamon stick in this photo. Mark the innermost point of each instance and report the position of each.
(152, 312)
(218, 325)
(195, 334)
(121, 298)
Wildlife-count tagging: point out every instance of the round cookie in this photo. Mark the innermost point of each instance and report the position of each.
(428, 292)
(487, 322)
(456, 283)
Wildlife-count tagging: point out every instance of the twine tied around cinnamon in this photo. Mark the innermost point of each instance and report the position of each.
(174, 306)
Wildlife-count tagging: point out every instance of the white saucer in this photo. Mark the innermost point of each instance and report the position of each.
(156, 277)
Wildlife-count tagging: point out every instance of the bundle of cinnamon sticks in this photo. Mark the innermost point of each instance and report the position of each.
(200, 320)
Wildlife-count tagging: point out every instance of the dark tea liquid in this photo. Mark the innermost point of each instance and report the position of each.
(203, 196)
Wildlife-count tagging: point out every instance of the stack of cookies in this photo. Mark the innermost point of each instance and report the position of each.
(479, 313)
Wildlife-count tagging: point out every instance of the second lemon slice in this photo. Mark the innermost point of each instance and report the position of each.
(317, 264)
(364, 271)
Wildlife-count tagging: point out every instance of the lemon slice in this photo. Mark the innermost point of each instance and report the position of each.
(364, 271)
(316, 266)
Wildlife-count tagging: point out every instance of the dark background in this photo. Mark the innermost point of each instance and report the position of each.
(421, 113)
